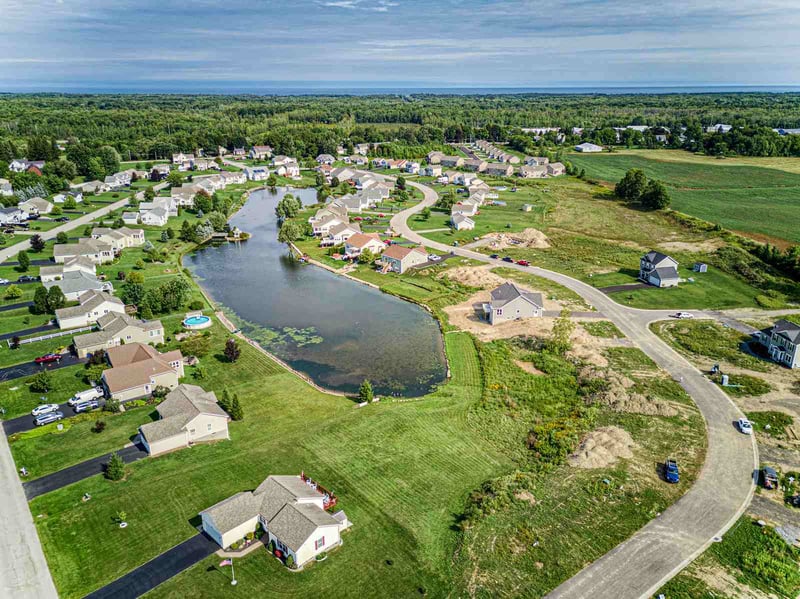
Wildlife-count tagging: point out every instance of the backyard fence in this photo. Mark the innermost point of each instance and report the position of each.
(50, 336)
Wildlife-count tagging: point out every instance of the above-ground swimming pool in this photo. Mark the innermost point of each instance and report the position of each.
(197, 321)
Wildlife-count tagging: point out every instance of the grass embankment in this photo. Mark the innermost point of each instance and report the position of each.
(753, 195)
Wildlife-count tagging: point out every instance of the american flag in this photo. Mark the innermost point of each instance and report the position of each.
(226, 562)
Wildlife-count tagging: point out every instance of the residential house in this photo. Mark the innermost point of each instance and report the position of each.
(159, 172)
(509, 302)
(325, 159)
(499, 170)
(12, 216)
(60, 198)
(452, 161)
(343, 174)
(281, 160)
(461, 222)
(532, 172)
(432, 170)
(331, 209)
(155, 217)
(131, 218)
(118, 329)
(115, 182)
(55, 273)
(97, 251)
(120, 238)
(658, 269)
(435, 157)
(783, 343)
(536, 161)
(157, 212)
(360, 242)
(289, 169)
(239, 153)
(354, 203)
(256, 173)
(137, 369)
(357, 159)
(588, 147)
(412, 167)
(719, 128)
(475, 165)
(292, 511)
(92, 305)
(184, 195)
(556, 169)
(205, 165)
(323, 226)
(233, 177)
(74, 283)
(6, 189)
(362, 149)
(467, 207)
(188, 415)
(180, 158)
(465, 179)
(21, 165)
(380, 162)
(91, 187)
(36, 206)
(339, 234)
(399, 258)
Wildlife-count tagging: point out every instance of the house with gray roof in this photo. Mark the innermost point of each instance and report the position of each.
(95, 250)
(91, 306)
(291, 509)
(659, 270)
(188, 415)
(74, 283)
(510, 302)
(783, 343)
(36, 205)
(461, 222)
(118, 328)
(57, 272)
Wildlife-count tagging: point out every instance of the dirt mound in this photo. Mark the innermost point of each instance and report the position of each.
(707, 246)
(618, 394)
(529, 238)
(474, 276)
(602, 448)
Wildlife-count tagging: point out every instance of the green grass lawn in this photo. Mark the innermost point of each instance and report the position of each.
(743, 197)
(603, 329)
(17, 398)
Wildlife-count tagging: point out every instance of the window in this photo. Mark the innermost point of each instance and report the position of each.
(319, 543)
(209, 427)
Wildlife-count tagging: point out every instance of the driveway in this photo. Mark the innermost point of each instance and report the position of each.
(21, 424)
(19, 371)
(78, 472)
(16, 306)
(26, 332)
(158, 570)
(724, 487)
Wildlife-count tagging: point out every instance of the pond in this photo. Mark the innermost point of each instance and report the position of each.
(337, 331)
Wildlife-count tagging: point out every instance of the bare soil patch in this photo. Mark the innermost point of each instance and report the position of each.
(528, 238)
(480, 277)
(528, 367)
(602, 448)
(707, 246)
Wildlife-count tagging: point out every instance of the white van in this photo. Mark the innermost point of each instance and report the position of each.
(89, 394)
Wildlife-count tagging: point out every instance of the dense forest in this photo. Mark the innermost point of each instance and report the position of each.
(144, 127)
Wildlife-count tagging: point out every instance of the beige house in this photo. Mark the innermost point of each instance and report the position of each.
(339, 234)
(433, 170)
(119, 239)
(36, 206)
(116, 329)
(509, 302)
(137, 369)
(399, 259)
(452, 161)
(500, 170)
(476, 165)
(359, 242)
(187, 416)
(292, 511)
(92, 305)
(556, 169)
(97, 251)
(56, 273)
(435, 157)
(532, 172)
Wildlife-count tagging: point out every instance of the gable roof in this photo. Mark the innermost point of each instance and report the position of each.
(134, 364)
(88, 301)
(111, 325)
(75, 281)
(508, 292)
(399, 252)
(361, 240)
(296, 522)
(182, 405)
(789, 330)
(655, 258)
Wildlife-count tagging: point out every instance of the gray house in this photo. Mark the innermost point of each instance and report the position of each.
(782, 342)
(658, 269)
(509, 302)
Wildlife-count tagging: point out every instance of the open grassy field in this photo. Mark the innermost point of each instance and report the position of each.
(757, 196)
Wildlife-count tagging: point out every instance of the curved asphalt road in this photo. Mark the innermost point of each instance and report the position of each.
(724, 487)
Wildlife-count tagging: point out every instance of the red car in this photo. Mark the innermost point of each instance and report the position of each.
(48, 358)
(523, 263)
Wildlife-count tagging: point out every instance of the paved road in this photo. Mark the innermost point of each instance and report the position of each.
(26, 332)
(15, 306)
(34, 262)
(723, 489)
(19, 371)
(158, 570)
(78, 472)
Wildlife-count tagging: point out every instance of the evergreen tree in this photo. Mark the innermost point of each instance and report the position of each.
(115, 468)
(365, 393)
(232, 351)
(236, 412)
(62, 238)
(24, 261)
(37, 243)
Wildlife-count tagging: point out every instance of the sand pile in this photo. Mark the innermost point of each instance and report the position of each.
(602, 448)
(619, 395)
(529, 238)
(474, 276)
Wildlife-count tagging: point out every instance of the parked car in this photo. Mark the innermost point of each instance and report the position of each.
(671, 471)
(494, 256)
(48, 418)
(88, 395)
(745, 426)
(45, 408)
(4, 281)
(769, 477)
(86, 406)
(523, 263)
(508, 259)
(62, 219)
(48, 358)
(27, 279)
(683, 315)
(434, 257)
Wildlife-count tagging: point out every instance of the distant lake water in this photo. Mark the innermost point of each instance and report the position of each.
(337, 331)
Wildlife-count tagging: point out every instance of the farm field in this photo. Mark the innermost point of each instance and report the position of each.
(749, 195)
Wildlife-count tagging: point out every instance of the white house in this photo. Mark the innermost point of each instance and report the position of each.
(256, 173)
(97, 251)
(509, 302)
(412, 168)
(74, 283)
(36, 206)
(588, 147)
(13, 215)
(339, 234)
(325, 159)
(659, 269)
(783, 343)
(399, 258)
(188, 415)
(292, 511)
(60, 198)
(462, 222)
(92, 305)
(258, 152)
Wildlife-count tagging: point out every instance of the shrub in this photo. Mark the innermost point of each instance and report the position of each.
(232, 351)
(13, 292)
(271, 546)
(41, 382)
(250, 536)
(111, 405)
(196, 305)
(99, 426)
(289, 561)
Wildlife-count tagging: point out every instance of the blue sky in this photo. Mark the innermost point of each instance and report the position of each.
(171, 45)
